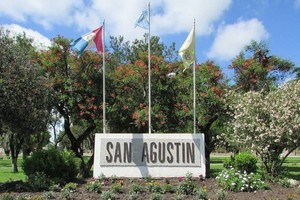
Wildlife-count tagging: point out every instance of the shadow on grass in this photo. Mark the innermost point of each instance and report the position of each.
(15, 186)
(293, 172)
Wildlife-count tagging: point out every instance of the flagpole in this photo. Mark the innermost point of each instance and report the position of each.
(103, 78)
(194, 83)
(149, 74)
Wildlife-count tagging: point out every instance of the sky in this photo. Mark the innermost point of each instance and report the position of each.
(223, 27)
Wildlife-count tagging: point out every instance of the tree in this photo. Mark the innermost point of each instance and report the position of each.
(76, 85)
(171, 95)
(23, 101)
(256, 70)
(268, 124)
(128, 96)
(211, 109)
(76, 88)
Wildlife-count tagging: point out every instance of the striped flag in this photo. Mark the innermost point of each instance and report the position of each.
(88, 40)
(143, 20)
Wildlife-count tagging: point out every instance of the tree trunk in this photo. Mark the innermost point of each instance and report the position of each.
(15, 147)
(14, 163)
(13, 156)
(76, 144)
(24, 152)
(208, 142)
(207, 154)
(85, 172)
(207, 163)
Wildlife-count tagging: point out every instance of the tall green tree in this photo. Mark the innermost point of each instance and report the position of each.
(128, 95)
(24, 102)
(211, 108)
(255, 69)
(76, 88)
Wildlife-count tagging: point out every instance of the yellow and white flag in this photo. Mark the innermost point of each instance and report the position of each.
(187, 50)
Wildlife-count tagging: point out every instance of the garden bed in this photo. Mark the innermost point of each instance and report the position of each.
(19, 190)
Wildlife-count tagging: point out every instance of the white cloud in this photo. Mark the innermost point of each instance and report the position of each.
(39, 40)
(231, 38)
(46, 12)
(297, 4)
(167, 16)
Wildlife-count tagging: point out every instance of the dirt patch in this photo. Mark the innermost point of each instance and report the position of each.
(20, 190)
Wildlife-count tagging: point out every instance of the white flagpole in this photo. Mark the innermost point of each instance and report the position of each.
(194, 82)
(103, 78)
(149, 74)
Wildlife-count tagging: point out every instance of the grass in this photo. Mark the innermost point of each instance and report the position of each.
(5, 170)
(292, 164)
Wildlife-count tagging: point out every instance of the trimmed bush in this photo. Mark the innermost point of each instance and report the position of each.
(244, 161)
(58, 166)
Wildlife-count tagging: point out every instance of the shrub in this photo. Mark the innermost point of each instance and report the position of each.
(243, 161)
(284, 182)
(148, 178)
(49, 195)
(187, 186)
(133, 196)
(68, 189)
(201, 193)
(39, 181)
(168, 188)
(23, 197)
(59, 166)
(7, 197)
(179, 197)
(94, 186)
(135, 188)
(71, 187)
(116, 187)
(37, 197)
(154, 186)
(108, 195)
(221, 195)
(233, 180)
(55, 188)
(156, 196)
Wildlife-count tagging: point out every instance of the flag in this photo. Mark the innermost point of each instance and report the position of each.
(187, 50)
(143, 20)
(88, 40)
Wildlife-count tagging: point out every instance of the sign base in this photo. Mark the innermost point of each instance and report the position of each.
(155, 155)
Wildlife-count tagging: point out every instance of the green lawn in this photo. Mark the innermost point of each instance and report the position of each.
(293, 167)
(292, 164)
(5, 170)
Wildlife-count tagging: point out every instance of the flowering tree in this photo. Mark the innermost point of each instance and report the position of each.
(171, 95)
(128, 91)
(75, 85)
(268, 124)
(255, 69)
(211, 110)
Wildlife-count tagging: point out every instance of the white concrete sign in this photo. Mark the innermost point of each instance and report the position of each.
(155, 155)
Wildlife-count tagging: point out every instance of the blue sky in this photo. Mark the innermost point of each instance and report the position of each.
(223, 27)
